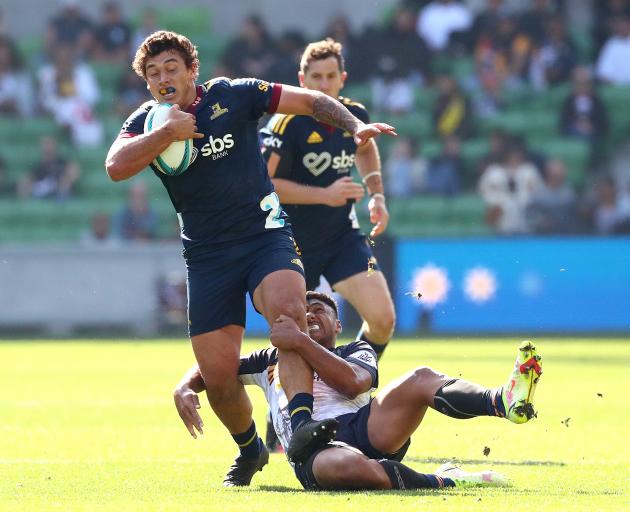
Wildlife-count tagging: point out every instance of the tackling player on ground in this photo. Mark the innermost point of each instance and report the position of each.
(236, 237)
(372, 436)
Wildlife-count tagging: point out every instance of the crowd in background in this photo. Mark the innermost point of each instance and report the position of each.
(508, 51)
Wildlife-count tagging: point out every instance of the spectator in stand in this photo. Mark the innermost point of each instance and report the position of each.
(287, 59)
(583, 113)
(130, 93)
(69, 91)
(400, 63)
(612, 209)
(445, 171)
(452, 110)
(507, 189)
(405, 169)
(113, 35)
(148, 25)
(252, 53)
(70, 27)
(137, 220)
(16, 92)
(534, 21)
(613, 65)
(358, 55)
(100, 233)
(499, 141)
(439, 19)
(7, 189)
(487, 20)
(605, 14)
(554, 56)
(52, 177)
(553, 207)
(501, 61)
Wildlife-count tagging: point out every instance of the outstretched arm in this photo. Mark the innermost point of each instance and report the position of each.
(300, 101)
(368, 161)
(347, 378)
(187, 400)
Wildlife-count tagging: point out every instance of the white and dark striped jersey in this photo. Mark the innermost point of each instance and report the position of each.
(260, 368)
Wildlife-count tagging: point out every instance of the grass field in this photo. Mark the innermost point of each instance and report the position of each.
(91, 426)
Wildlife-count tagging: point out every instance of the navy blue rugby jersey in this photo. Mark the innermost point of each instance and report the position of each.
(225, 195)
(315, 154)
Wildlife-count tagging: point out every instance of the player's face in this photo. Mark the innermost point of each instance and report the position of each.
(325, 76)
(169, 80)
(323, 325)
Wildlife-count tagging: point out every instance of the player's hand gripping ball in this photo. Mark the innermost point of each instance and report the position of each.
(176, 158)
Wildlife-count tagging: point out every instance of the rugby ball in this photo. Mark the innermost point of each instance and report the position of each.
(176, 158)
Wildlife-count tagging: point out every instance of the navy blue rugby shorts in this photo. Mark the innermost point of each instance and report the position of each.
(219, 280)
(353, 432)
(345, 257)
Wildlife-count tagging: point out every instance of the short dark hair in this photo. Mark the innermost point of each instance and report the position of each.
(320, 50)
(162, 41)
(326, 299)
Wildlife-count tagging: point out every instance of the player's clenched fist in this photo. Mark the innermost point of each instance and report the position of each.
(342, 190)
(285, 333)
(182, 125)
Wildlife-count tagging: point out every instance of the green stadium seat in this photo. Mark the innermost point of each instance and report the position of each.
(193, 21)
(107, 74)
(360, 92)
(574, 153)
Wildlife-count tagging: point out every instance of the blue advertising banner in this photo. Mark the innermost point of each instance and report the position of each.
(519, 285)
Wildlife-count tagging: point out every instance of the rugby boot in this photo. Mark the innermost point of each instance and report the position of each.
(463, 478)
(242, 470)
(518, 393)
(309, 437)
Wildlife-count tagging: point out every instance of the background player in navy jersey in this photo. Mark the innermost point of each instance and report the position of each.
(373, 435)
(310, 163)
(235, 235)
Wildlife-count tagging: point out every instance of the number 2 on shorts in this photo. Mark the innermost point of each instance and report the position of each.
(272, 202)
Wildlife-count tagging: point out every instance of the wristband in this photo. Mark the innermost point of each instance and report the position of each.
(369, 175)
(377, 194)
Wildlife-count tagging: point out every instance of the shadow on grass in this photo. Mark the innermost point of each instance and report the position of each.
(435, 460)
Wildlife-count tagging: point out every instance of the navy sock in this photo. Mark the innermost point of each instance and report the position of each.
(379, 348)
(404, 478)
(248, 442)
(462, 399)
(300, 409)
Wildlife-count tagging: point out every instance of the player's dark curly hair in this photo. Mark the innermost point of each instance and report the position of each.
(162, 41)
(320, 50)
(326, 299)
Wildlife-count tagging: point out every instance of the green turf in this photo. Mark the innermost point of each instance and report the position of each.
(91, 426)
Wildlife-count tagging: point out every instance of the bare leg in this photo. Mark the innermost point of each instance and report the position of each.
(402, 403)
(284, 293)
(342, 468)
(218, 356)
(370, 296)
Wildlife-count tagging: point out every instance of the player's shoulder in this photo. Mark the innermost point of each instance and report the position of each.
(258, 361)
(352, 105)
(279, 123)
(352, 347)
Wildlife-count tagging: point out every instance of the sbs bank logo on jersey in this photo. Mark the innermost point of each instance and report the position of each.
(217, 147)
(317, 163)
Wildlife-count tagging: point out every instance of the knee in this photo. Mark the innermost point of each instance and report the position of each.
(220, 385)
(382, 323)
(295, 309)
(424, 375)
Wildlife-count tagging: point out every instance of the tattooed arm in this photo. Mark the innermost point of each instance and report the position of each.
(296, 100)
